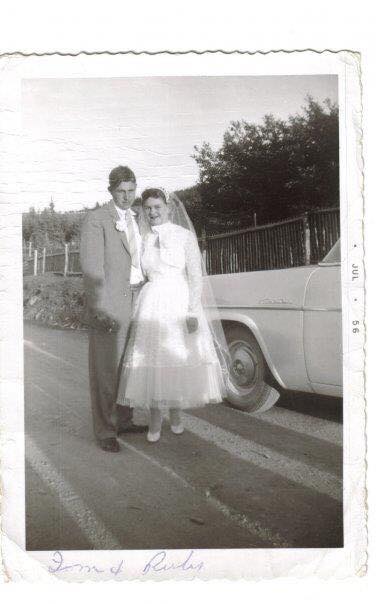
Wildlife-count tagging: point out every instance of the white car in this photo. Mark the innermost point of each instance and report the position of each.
(283, 326)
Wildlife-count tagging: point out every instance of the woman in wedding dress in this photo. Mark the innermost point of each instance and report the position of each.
(171, 361)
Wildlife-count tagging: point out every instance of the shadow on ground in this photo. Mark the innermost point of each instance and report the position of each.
(325, 407)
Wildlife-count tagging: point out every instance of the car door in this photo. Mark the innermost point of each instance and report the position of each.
(322, 325)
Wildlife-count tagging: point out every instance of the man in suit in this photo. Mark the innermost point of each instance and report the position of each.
(110, 261)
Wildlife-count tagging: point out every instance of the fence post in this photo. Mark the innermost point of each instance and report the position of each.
(204, 246)
(66, 259)
(44, 261)
(307, 239)
(35, 262)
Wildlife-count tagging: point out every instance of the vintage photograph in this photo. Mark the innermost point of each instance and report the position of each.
(182, 313)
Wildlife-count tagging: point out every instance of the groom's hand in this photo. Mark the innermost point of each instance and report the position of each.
(192, 324)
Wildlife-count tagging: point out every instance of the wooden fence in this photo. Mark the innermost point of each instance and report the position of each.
(296, 242)
(64, 262)
(324, 230)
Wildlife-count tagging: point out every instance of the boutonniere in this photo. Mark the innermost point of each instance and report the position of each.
(121, 226)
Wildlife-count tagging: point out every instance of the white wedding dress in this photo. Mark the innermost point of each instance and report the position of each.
(164, 365)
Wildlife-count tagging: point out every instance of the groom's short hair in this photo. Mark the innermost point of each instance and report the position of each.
(118, 175)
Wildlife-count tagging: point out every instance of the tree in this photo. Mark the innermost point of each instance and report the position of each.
(70, 224)
(48, 228)
(277, 168)
(28, 225)
(192, 201)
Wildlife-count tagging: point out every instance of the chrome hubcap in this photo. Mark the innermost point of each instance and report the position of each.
(243, 366)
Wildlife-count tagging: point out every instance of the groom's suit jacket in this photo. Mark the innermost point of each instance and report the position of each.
(106, 264)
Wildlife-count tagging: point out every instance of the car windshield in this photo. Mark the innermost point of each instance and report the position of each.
(334, 256)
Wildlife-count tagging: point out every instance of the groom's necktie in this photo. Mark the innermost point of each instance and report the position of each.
(133, 248)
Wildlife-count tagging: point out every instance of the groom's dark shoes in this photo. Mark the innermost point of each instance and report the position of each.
(109, 444)
(131, 428)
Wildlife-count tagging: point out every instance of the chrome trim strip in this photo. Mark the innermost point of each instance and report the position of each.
(320, 309)
(277, 307)
(260, 307)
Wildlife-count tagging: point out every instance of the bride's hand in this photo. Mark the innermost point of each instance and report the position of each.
(102, 322)
(192, 324)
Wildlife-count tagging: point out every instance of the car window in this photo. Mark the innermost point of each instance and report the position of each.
(334, 255)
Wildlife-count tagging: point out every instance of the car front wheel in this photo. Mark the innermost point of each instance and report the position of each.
(247, 389)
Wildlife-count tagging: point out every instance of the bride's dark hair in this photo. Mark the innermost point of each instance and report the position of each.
(153, 193)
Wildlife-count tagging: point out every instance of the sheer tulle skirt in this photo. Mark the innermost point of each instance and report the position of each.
(164, 365)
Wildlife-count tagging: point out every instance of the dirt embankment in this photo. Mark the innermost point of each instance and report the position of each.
(54, 300)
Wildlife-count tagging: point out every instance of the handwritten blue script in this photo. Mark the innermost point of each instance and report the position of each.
(60, 567)
(157, 563)
(161, 563)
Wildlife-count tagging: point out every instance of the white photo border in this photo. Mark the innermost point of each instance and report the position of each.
(230, 564)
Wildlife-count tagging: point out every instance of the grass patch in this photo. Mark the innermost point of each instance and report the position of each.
(54, 300)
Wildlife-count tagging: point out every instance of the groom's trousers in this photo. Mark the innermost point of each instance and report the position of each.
(106, 352)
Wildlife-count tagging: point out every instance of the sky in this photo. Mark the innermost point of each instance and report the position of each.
(76, 130)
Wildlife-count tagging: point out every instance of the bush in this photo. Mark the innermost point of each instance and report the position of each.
(54, 301)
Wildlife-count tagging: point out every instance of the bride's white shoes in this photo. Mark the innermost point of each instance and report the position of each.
(155, 426)
(175, 421)
(153, 437)
(179, 429)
